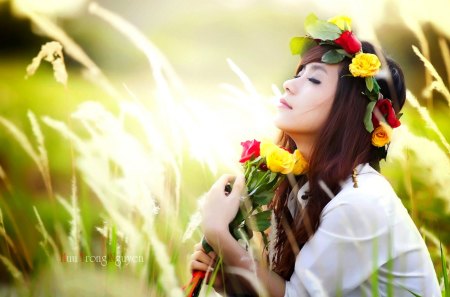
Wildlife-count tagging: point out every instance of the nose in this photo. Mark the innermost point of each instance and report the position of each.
(288, 87)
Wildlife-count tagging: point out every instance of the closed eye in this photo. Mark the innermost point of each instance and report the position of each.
(314, 81)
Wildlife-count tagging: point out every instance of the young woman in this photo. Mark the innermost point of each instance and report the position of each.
(341, 229)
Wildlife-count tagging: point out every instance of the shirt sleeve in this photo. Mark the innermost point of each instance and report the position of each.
(350, 243)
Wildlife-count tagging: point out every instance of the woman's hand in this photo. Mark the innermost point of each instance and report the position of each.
(206, 262)
(220, 208)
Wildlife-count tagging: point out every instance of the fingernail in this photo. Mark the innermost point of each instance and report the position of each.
(211, 268)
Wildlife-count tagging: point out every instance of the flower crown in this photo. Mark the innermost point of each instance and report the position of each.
(380, 117)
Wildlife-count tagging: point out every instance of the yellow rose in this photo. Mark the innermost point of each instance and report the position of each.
(343, 22)
(301, 165)
(265, 147)
(365, 65)
(382, 135)
(279, 160)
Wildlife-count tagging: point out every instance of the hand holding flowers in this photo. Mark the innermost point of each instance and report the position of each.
(242, 209)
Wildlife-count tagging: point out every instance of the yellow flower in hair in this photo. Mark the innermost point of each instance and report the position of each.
(382, 135)
(343, 22)
(365, 65)
(301, 165)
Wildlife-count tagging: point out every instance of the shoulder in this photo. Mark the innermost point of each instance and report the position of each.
(373, 203)
(372, 188)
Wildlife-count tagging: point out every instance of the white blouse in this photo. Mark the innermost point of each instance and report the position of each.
(360, 229)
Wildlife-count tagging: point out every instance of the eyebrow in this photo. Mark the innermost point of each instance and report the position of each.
(318, 67)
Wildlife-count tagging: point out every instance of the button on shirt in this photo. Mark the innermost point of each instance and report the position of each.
(360, 230)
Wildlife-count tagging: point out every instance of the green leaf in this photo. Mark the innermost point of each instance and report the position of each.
(369, 83)
(206, 245)
(256, 160)
(368, 116)
(300, 45)
(262, 198)
(273, 175)
(259, 189)
(376, 86)
(332, 57)
(319, 29)
(259, 221)
(371, 95)
(344, 52)
(327, 42)
(310, 19)
(237, 219)
(250, 175)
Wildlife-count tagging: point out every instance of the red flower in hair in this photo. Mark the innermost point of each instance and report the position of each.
(384, 106)
(349, 42)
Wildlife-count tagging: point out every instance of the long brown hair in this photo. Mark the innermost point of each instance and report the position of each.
(342, 144)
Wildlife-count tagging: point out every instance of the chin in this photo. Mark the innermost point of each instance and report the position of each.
(281, 124)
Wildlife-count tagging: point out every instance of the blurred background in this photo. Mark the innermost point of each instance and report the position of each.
(158, 98)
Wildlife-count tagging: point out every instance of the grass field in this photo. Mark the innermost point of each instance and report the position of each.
(91, 170)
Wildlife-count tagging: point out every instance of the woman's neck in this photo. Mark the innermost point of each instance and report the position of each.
(304, 144)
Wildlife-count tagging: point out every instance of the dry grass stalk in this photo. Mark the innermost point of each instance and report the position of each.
(40, 159)
(445, 56)
(43, 156)
(47, 238)
(416, 28)
(438, 83)
(52, 53)
(427, 118)
(72, 49)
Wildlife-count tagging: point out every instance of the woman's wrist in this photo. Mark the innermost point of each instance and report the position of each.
(215, 235)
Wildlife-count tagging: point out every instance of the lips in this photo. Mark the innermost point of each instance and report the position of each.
(284, 103)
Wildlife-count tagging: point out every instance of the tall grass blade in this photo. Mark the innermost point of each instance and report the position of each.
(444, 271)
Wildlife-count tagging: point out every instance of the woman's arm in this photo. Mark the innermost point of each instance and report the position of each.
(234, 256)
(218, 211)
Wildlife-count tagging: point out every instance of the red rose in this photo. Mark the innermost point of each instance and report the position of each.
(349, 42)
(384, 106)
(250, 149)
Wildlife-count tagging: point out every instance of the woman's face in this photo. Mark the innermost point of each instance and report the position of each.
(307, 99)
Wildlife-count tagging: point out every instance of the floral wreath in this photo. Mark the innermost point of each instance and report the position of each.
(380, 117)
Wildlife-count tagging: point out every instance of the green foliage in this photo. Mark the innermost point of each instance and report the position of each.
(259, 221)
(368, 116)
(333, 57)
(320, 29)
(444, 272)
(300, 45)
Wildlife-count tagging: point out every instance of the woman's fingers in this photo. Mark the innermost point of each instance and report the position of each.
(238, 186)
(199, 247)
(222, 182)
(197, 265)
(213, 255)
(237, 181)
(202, 257)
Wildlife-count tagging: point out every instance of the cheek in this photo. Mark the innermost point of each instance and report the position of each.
(307, 118)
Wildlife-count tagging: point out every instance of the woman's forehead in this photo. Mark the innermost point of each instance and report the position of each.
(320, 66)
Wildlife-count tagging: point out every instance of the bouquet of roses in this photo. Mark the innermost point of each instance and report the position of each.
(266, 166)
